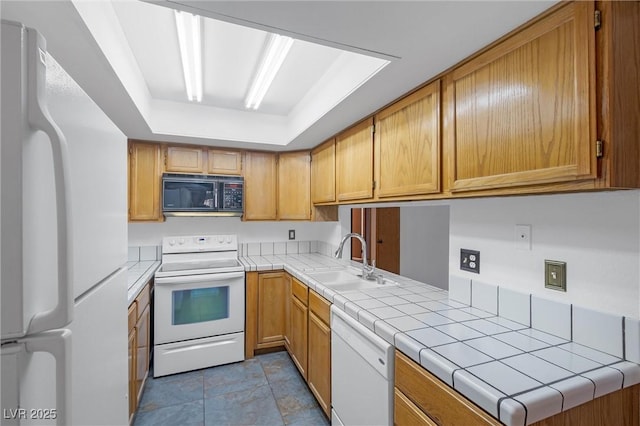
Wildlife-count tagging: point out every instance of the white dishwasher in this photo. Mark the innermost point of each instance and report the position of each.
(361, 374)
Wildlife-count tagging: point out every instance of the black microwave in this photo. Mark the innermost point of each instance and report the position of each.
(202, 195)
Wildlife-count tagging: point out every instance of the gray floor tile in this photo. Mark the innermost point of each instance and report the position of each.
(278, 366)
(249, 407)
(171, 390)
(313, 417)
(233, 378)
(190, 413)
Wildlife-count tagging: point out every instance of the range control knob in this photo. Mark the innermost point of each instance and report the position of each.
(172, 242)
(181, 241)
(228, 239)
(220, 238)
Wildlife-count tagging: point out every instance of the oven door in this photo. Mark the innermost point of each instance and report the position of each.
(195, 306)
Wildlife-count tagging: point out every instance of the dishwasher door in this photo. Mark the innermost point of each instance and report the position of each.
(361, 374)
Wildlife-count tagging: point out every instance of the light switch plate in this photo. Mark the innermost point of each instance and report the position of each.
(555, 275)
(292, 234)
(522, 237)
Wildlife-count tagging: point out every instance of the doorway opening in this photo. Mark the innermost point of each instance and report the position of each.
(380, 228)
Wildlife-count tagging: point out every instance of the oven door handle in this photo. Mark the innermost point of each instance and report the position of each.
(188, 279)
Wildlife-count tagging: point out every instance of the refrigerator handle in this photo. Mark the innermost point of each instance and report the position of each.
(58, 344)
(38, 115)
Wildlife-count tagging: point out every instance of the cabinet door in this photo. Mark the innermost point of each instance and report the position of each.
(354, 162)
(224, 162)
(407, 145)
(405, 412)
(522, 112)
(319, 368)
(145, 176)
(133, 396)
(272, 297)
(184, 159)
(323, 173)
(299, 335)
(287, 313)
(143, 337)
(260, 186)
(294, 186)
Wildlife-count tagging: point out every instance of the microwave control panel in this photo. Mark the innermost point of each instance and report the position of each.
(232, 196)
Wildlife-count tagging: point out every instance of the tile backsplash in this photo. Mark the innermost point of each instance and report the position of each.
(144, 253)
(553, 322)
(285, 247)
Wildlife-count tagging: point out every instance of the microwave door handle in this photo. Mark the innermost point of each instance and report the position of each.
(58, 344)
(39, 118)
(193, 279)
(215, 203)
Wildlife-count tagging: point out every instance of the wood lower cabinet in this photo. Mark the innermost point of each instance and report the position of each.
(294, 186)
(299, 321)
(145, 177)
(260, 186)
(266, 298)
(354, 162)
(139, 345)
(319, 351)
(407, 145)
(523, 112)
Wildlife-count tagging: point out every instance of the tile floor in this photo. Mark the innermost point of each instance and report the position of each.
(266, 390)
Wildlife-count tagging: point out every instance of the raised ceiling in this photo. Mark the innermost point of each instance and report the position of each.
(125, 55)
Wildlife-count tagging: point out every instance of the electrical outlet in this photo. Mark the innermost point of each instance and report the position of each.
(292, 234)
(470, 260)
(555, 275)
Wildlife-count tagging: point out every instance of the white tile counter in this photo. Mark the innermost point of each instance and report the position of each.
(139, 275)
(519, 357)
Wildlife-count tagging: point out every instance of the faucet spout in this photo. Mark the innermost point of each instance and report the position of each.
(367, 271)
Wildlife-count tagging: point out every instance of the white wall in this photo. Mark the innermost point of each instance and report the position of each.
(424, 244)
(141, 234)
(597, 234)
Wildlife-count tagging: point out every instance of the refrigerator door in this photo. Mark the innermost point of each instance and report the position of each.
(36, 379)
(35, 187)
(100, 354)
(98, 171)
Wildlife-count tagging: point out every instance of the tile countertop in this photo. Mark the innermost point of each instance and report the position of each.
(528, 360)
(139, 274)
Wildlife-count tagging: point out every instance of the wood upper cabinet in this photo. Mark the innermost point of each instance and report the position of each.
(354, 162)
(323, 173)
(319, 353)
(407, 145)
(184, 159)
(260, 179)
(294, 186)
(223, 162)
(522, 112)
(145, 177)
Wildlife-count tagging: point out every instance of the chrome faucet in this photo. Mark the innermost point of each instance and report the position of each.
(368, 272)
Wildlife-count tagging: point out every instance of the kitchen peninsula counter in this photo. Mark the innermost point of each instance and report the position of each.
(517, 373)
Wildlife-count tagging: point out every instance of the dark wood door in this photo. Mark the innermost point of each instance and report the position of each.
(385, 237)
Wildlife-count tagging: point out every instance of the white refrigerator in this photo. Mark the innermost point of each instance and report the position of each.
(63, 251)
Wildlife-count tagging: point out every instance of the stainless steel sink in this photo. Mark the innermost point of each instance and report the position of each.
(348, 279)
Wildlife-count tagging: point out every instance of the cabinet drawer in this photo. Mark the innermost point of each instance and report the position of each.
(439, 401)
(405, 412)
(319, 306)
(299, 290)
(143, 298)
(133, 315)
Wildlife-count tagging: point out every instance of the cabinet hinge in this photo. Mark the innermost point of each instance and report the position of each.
(599, 149)
(373, 128)
(597, 19)
(373, 186)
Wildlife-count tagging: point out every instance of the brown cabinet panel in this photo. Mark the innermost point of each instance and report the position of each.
(184, 159)
(323, 173)
(354, 162)
(272, 297)
(143, 334)
(406, 413)
(319, 366)
(294, 186)
(260, 179)
(145, 175)
(523, 111)
(133, 400)
(407, 145)
(222, 162)
(298, 342)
